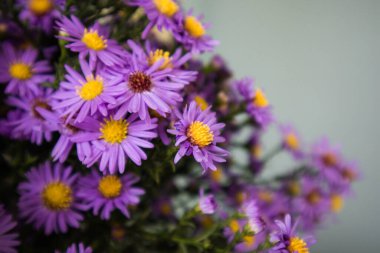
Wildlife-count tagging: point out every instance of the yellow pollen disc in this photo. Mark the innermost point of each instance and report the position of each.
(297, 245)
(216, 175)
(240, 197)
(313, 197)
(166, 7)
(110, 186)
(200, 134)
(265, 196)
(329, 159)
(234, 226)
(260, 100)
(20, 71)
(249, 240)
(194, 27)
(336, 203)
(158, 55)
(114, 131)
(40, 7)
(256, 151)
(57, 196)
(93, 40)
(201, 102)
(91, 89)
(291, 141)
(349, 174)
(3, 27)
(294, 188)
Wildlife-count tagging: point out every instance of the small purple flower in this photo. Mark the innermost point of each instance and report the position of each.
(291, 141)
(78, 248)
(103, 194)
(207, 203)
(251, 211)
(41, 13)
(114, 141)
(82, 95)
(197, 133)
(49, 199)
(21, 71)
(91, 41)
(8, 238)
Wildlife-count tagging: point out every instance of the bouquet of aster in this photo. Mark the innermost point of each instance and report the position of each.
(116, 137)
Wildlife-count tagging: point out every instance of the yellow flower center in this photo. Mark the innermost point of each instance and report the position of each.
(234, 226)
(256, 151)
(40, 7)
(20, 71)
(297, 245)
(291, 141)
(294, 188)
(166, 208)
(249, 240)
(110, 186)
(240, 197)
(329, 159)
(336, 203)
(166, 7)
(114, 131)
(201, 102)
(265, 196)
(93, 40)
(200, 134)
(206, 221)
(57, 196)
(216, 175)
(194, 27)
(260, 100)
(313, 197)
(91, 89)
(3, 27)
(349, 175)
(158, 55)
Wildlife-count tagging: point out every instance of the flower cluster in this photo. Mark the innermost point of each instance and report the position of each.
(117, 135)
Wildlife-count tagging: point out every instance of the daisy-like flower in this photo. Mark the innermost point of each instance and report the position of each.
(257, 104)
(207, 203)
(114, 141)
(86, 94)
(31, 124)
(78, 248)
(291, 141)
(198, 133)
(160, 13)
(21, 71)
(91, 41)
(41, 13)
(48, 199)
(103, 194)
(191, 32)
(286, 241)
(8, 238)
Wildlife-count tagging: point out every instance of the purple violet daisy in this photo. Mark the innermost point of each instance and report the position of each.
(291, 141)
(207, 203)
(91, 41)
(103, 194)
(197, 133)
(82, 95)
(48, 199)
(160, 13)
(78, 248)
(21, 70)
(114, 141)
(8, 238)
(41, 13)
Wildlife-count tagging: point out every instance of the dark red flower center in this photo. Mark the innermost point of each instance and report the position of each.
(139, 82)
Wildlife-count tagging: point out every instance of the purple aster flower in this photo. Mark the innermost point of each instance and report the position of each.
(49, 200)
(250, 242)
(197, 133)
(31, 124)
(285, 239)
(8, 238)
(21, 70)
(251, 211)
(192, 34)
(103, 194)
(257, 104)
(114, 141)
(91, 41)
(349, 172)
(41, 13)
(291, 141)
(207, 203)
(86, 94)
(160, 13)
(78, 248)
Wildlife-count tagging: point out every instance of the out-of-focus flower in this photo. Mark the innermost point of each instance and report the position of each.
(291, 141)
(8, 238)
(207, 203)
(78, 248)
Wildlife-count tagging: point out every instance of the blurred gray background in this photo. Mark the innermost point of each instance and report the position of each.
(319, 63)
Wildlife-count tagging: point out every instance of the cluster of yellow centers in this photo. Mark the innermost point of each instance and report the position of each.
(200, 134)
(201, 102)
(336, 203)
(297, 245)
(291, 141)
(40, 7)
(259, 99)
(57, 196)
(110, 186)
(93, 40)
(114, 131)
(20, 70)
(194, 27)
(166, 7)
(91, 89)
(158, 55)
